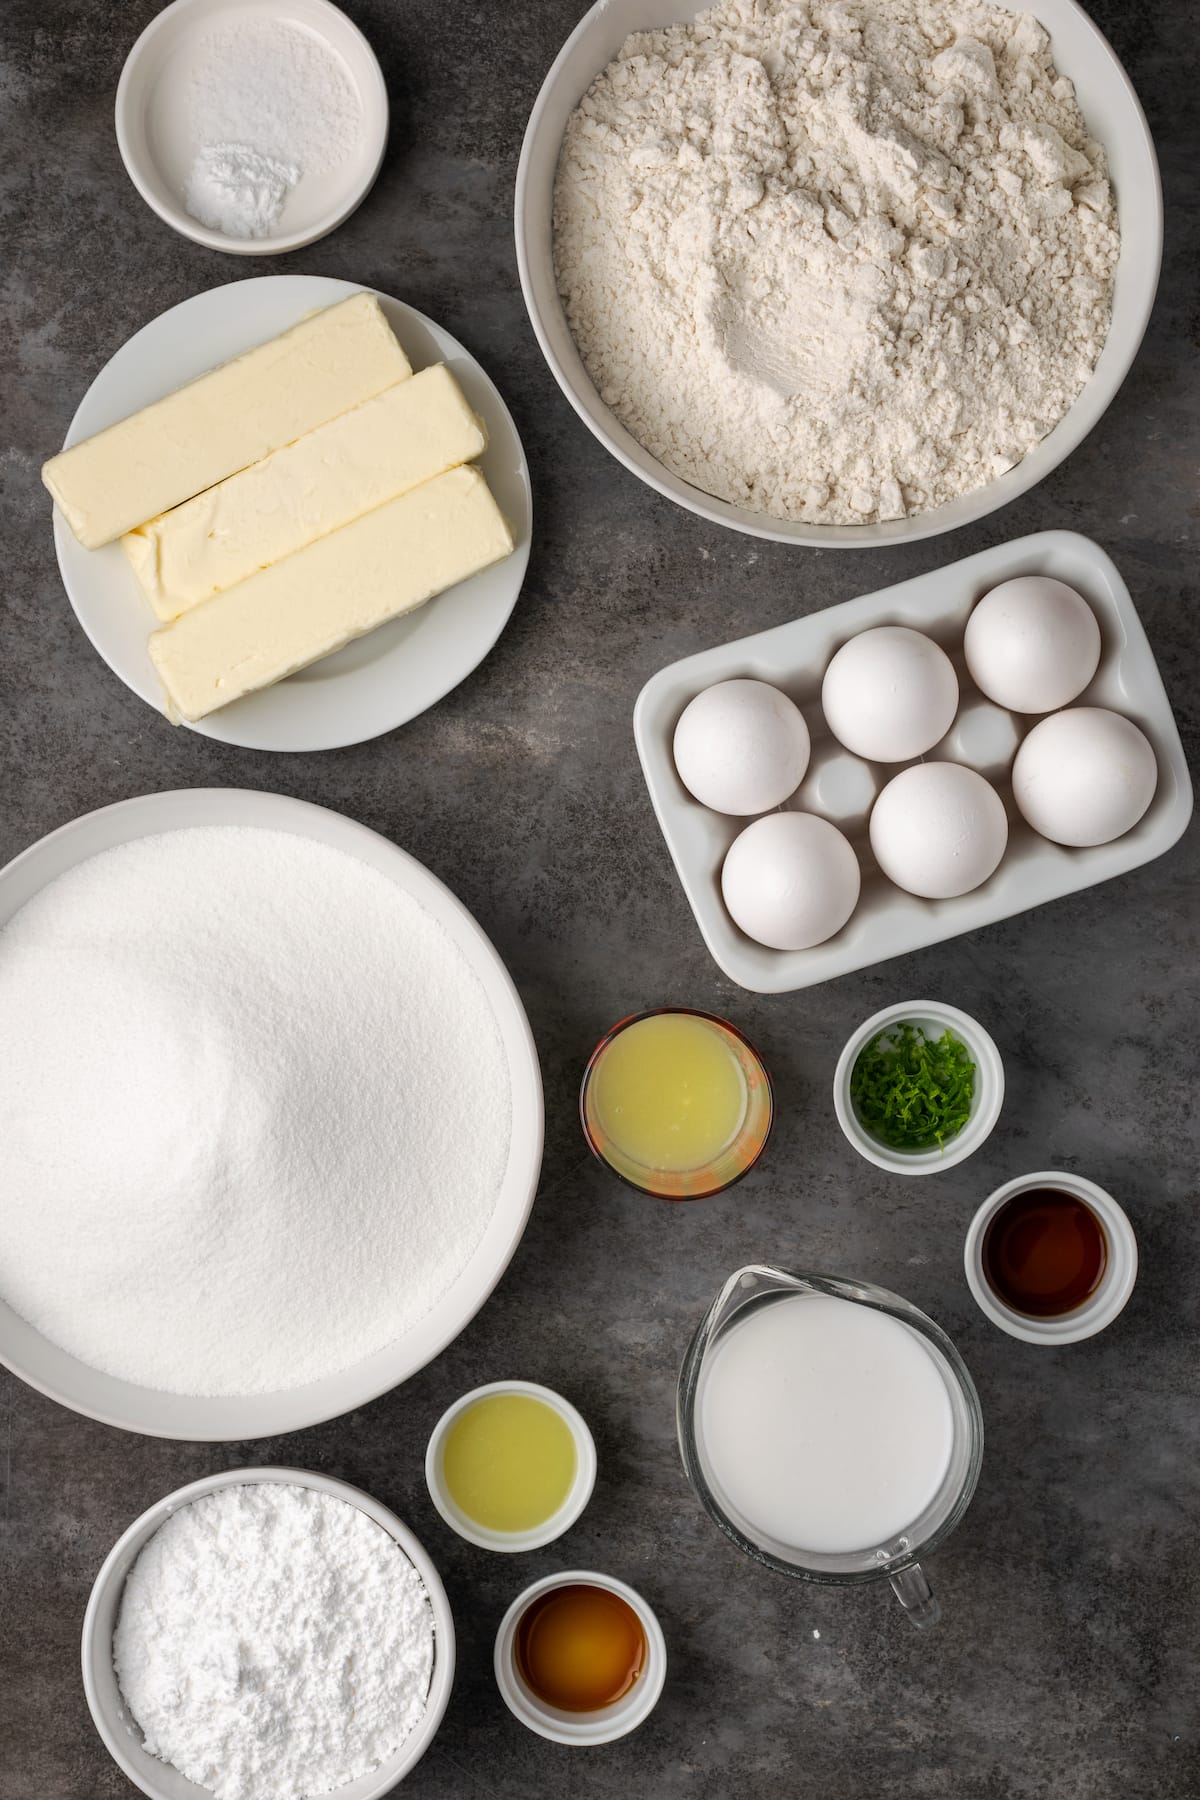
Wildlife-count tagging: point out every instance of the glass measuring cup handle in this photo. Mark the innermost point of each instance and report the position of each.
(916, 1596)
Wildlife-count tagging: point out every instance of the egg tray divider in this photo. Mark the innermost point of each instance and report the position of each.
(841, 787)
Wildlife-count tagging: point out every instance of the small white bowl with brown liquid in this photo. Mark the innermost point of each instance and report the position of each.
(580, 1658)
(1051, 1258)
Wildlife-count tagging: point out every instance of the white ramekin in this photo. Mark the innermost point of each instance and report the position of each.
(986, 1101)
(610, 1722)
(577, 1498)
(1116, 1284)
(111, 1717)
(157, 142)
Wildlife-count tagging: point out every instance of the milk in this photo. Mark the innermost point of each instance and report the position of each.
(823, 1425)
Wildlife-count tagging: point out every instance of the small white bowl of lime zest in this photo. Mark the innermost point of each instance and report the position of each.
(932, 1018)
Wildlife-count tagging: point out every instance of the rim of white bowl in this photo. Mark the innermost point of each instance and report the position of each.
(609, 1722)
(1116, 1284)
(161, 1780)
(1082, 416)
(986, 1101)
(376, 124)
(580, 1492)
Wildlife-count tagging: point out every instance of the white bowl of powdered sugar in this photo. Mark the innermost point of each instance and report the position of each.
(252, 126)
(265, 1634)
(838, 275)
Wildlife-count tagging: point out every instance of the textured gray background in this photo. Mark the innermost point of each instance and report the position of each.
(1066, 1666)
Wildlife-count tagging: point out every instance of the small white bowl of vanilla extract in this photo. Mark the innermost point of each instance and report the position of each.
(580, 1658)
(1051, 1258)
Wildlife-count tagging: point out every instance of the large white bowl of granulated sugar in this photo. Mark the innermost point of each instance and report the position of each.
(270, 1115)
(712, 329)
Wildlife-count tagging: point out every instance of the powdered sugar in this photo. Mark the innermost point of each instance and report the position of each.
(273, 1643)
(261, 1097)
(236, 190)
(268, 104)
(836, 262)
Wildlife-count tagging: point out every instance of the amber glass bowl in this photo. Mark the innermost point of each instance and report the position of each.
(734, 1161)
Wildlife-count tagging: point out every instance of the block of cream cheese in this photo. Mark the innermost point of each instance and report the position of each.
(383, 564)
(408, 434)
(225, 420)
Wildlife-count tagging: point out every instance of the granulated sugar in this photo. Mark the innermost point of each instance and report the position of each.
(254, 1111)
(836, 262)
(273, 1643)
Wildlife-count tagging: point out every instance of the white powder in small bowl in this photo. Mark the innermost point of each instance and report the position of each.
(234, 189)
(268, 104)
(273, 1643)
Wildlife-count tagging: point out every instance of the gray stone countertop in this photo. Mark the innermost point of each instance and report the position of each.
(1066, 1665)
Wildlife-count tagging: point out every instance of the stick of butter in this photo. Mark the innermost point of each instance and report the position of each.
(408, 434)
(225, 420)
(383, 564)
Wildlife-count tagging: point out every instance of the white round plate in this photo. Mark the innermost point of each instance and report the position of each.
(158, 145)
(123, 1738)
(379, 681)
(63, 1377)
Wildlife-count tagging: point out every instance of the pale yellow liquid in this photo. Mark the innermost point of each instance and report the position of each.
(509, 1462)
(669, 1093)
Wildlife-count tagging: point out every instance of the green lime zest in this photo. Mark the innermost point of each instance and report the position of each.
(913, 1092)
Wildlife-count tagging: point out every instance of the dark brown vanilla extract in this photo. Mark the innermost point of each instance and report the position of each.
(1044, 1253)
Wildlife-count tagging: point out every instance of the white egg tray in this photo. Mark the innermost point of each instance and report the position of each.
(842, 788)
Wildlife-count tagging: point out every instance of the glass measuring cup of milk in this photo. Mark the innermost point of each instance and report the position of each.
(830, 1429)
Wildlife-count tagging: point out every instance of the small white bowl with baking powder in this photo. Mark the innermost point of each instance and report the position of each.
(933, 1017)
(157, 132)
(607, 1723)
(110, 1715)
(1101, 1307)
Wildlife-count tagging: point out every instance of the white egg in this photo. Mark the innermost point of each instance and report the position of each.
(938, 830)
(1032, 644)
(741, 747)
(790, 880)
(1084, 776)
(890, 694)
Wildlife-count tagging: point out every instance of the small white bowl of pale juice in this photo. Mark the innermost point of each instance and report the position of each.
(510, 1466)
(677, 1103)
(830, 1429)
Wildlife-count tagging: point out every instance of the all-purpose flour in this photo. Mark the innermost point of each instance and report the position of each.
(254, 1111)
(836, 262)
(273, 1643)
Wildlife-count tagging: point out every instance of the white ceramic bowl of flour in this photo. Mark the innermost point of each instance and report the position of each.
(252, 126)
(1114, 116)
(225, 1414)
(122, 1737)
